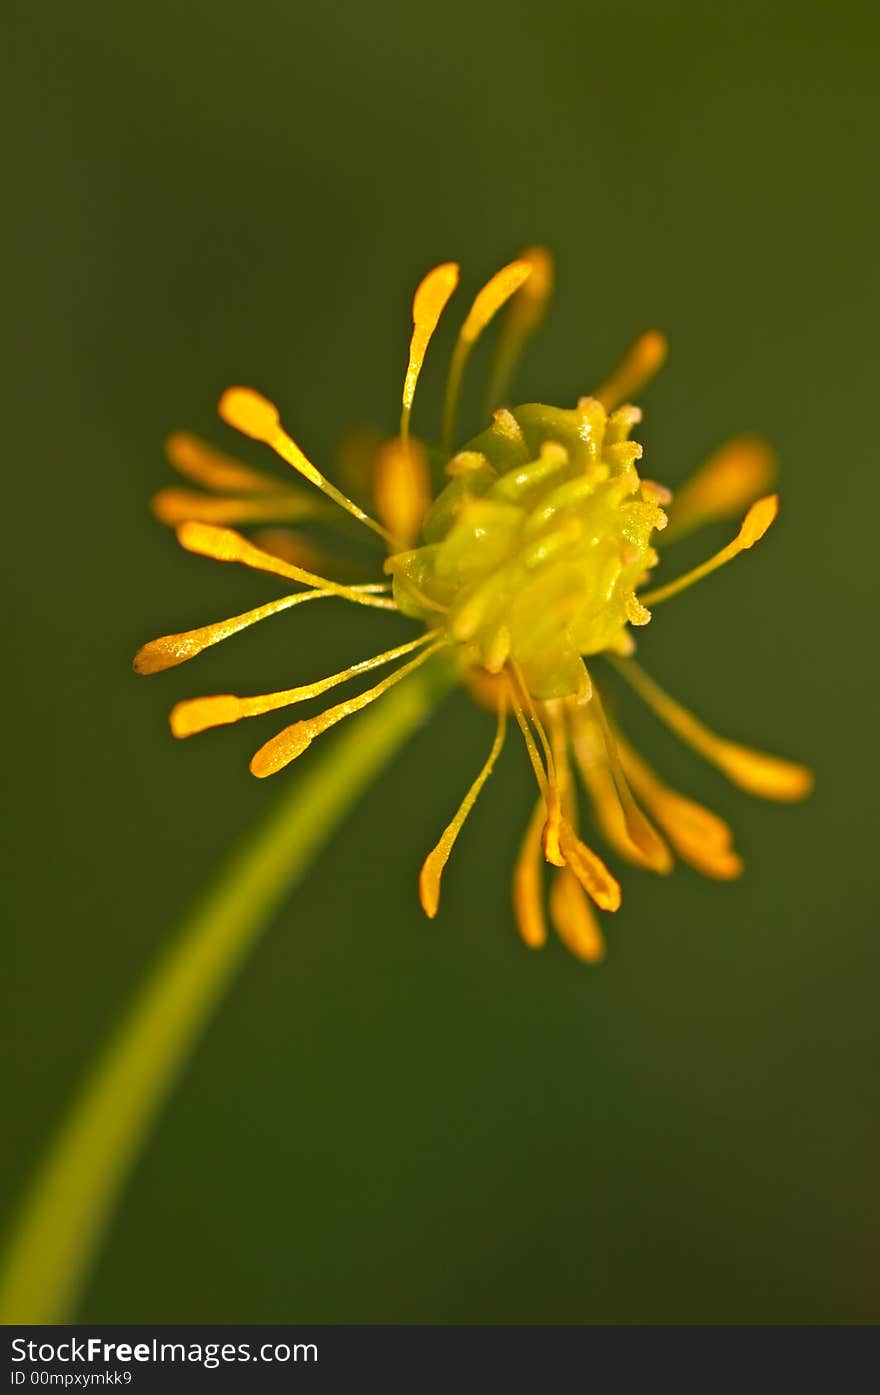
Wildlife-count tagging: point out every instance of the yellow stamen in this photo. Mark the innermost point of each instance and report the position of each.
(559, 742)
(574, 919)
(257, 417)
(434, 863)
(561, 777)
(523, 317)
(555, 784)
(304, 552)
(356, 455)
(214, 469)
(225, 545)
(547, 778)
(760, 774)
(642, 360)
(593, 767)
(175, 506)
(537, 724)
(402, 488)
(730, 479)
(754, 526)
(199, 714)
(527, 882)
(552, 828)
(528, 738)
(430, 300)
(170, 650)
(589, 869)
(639, 829)
(293, 740)
(711, 827)
(698, 836)
(486, 305)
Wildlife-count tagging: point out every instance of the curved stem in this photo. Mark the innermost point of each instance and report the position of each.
(73, 1195)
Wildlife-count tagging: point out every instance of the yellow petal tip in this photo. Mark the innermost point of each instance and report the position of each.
(493, 295)
(758, 520)
(193, 715)
(146, 660)
(249, 412)
(281, 750)
(429, 886)
(763, 775)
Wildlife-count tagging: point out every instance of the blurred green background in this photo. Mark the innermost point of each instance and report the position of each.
(391, 1120)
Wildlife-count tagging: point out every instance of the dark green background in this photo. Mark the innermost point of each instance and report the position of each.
(392, 1120)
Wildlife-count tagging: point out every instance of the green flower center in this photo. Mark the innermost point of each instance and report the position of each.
(533, 551)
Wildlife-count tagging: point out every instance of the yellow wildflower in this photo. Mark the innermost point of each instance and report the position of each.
(534, 557)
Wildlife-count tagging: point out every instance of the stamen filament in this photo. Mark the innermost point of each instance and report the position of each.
(602, 790)
(561, 763)
(293, 740)
(754, 526)
(589, 869)
(199, 461)
(487, 303)
(712, 828)
(551, 787)
(523, 317)
(430, 300)
(225, 545)
(305, 552)
(391, 568)
(433, 865)
(175, 506)
(402, 488)
(255, 416)
(639, 829)
(642, 360)
(760, 774)
(199, 714)
(528, 738)
(536, 723)
(735, 474)
(698, 836)
(170, 650)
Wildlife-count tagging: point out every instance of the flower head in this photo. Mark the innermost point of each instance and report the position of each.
(532, 560)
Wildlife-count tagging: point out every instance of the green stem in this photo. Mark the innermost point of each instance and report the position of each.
(76, 1187)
